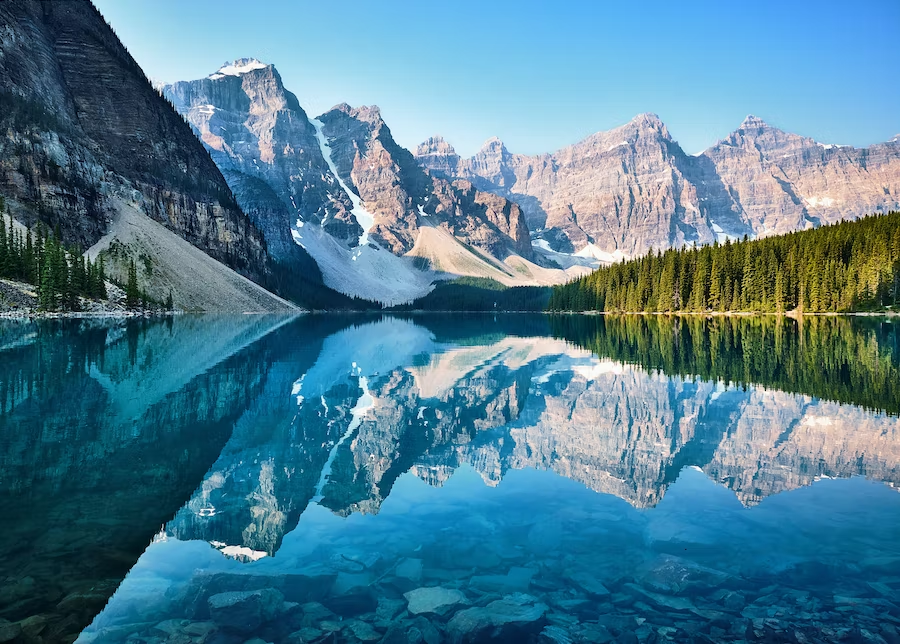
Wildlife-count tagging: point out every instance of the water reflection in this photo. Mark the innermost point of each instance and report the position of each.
(105, 429)
(562, 478)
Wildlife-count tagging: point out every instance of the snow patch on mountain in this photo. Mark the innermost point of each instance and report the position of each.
(592, 250)
(820, 201)
(368, 272)
(567, 261)
(238, 67)
(363, 217)
(721, 235)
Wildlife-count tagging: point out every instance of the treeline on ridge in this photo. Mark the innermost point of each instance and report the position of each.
(843, 267)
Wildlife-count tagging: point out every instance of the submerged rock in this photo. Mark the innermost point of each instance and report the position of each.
(362, 631)
(677, 576)
(9, 630)
(514, 617)
(356, 601)
(245, 611)
(410, 569)
(517, 579)
(388, 609)
(663, 602)
(435, 599)
(589, 584)
(555, 635)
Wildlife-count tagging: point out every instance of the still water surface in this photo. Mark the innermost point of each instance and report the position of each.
(331, 479)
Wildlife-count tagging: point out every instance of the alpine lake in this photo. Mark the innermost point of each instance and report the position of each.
(426, 479)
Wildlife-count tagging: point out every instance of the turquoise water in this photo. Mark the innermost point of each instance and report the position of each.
(462, 479)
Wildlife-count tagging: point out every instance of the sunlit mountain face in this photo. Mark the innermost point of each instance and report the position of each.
(468, 479)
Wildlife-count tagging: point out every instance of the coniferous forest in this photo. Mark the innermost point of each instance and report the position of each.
(844, 267)
(61, 274)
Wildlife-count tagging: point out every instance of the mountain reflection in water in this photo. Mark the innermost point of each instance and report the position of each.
(570, 478)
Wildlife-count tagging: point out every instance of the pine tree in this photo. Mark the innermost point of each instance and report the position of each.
(667, 284)
(132, 292)
(700, 287)
(779, 291)
(100, 288)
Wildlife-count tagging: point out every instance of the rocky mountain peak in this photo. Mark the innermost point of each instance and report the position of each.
(435, 145)
(648, 119)
(366, 113)
(650, 123)
(754, 123)
(438, 156)
(493, 145)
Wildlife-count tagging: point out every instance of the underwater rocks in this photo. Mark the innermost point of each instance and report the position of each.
(482, 581)
(667, 599)
(245, 611)
(433, 600)
(512, 618)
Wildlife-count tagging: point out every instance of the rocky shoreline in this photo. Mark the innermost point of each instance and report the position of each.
(19, 300)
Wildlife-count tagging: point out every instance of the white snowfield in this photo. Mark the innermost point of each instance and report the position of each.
(369, 272)
(238, 67)
(604, 257)
(373, 273)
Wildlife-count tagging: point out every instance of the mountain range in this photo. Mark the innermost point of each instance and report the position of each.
(619, 193)
(378, 224)
(244, 202)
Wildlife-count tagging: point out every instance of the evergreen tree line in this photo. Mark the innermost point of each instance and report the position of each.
(479, 294)
(845, 360)
(847, 266)
(60, 274)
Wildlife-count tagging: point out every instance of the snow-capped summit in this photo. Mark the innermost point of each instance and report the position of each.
(238, 67)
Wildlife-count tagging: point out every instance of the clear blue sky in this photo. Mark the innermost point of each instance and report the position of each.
(544, 74)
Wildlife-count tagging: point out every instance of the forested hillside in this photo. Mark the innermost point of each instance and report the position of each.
(849, 266)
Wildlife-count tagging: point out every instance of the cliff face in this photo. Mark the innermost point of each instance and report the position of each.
(618, 193)
(263, 141)
(83, 130)
(394, 188)
(340, 188)
(784, 182)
